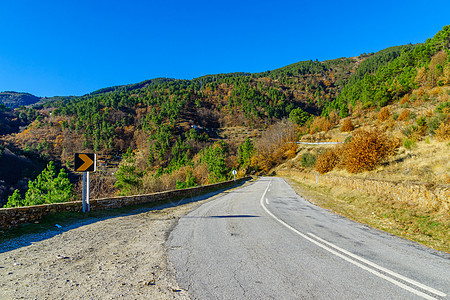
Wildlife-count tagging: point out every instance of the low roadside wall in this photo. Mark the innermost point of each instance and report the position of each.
(18, 215)
(434, 197)
(416, 194)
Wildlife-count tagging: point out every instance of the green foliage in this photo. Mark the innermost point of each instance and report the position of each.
(15, 200)
(180, 156)
(4, 108)
(245, 153)
(308, 160)
(128, 179)
(47, 188)
(189, 182)
(442, 106)
(422, 121)
(390, 73)
(214, 157)
(299, 116)
(409, 143)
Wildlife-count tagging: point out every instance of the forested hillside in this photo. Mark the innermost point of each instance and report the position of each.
(169, 133)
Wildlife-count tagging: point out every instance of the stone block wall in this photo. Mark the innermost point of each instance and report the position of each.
(426, 196)
(18, 215)
(415, 194)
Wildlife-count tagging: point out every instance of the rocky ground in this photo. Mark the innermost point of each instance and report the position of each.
(119, 257)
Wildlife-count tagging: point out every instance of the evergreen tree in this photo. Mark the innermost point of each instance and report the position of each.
(128, 179)
(45, 189)
(245, 153)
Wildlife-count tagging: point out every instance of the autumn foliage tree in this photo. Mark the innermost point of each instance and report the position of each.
(277, 144)
(366, 149)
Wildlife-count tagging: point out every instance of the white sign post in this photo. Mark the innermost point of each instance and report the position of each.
(86, 192)
(234, 174)
(85, 162)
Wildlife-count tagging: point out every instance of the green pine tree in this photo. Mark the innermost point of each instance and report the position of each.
(45, 189)
(128, 180)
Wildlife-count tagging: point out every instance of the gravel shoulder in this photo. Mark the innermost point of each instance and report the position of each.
(116, 257)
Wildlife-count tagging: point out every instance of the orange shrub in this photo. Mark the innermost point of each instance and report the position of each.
(347, 125)
(443, 132)
(384, 114)
(327, 161)
(367, 149)
(404, 115)
(405, 99)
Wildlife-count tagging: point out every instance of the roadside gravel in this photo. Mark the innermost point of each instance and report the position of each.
(122, 257)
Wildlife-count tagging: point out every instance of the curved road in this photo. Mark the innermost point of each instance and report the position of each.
(263, 241)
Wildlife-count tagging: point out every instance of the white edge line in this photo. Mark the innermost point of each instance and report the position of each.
(411, 281)
(412, 290)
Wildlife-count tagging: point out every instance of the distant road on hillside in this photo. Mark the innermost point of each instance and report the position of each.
(263, 241)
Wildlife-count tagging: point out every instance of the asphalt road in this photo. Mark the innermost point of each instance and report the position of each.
(263, 241)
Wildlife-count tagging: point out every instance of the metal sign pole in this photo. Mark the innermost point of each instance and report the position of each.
(84, 191)
(87, 192)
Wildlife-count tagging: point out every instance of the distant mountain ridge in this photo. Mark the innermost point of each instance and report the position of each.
(16, 99)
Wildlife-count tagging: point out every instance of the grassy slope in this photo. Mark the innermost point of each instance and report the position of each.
(426, 162)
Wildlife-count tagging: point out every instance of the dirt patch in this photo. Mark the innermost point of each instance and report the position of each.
(118, 257)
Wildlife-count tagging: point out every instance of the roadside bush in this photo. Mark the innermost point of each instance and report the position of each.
(327, 161)
(366, 149)
(347, 125)
(443, 132)
(308, 160)
(384, 114)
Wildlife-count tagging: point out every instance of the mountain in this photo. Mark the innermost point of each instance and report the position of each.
(169, 130)
(15, 99)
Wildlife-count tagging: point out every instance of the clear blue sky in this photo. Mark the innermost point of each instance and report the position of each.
(75, 47)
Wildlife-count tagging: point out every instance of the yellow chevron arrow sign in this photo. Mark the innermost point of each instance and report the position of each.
(85, 162)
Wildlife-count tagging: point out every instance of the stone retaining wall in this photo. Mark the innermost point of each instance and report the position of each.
(422, 195)
(427, 196)
(18, 215)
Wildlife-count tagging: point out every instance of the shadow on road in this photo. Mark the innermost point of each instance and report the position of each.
(55, 224)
